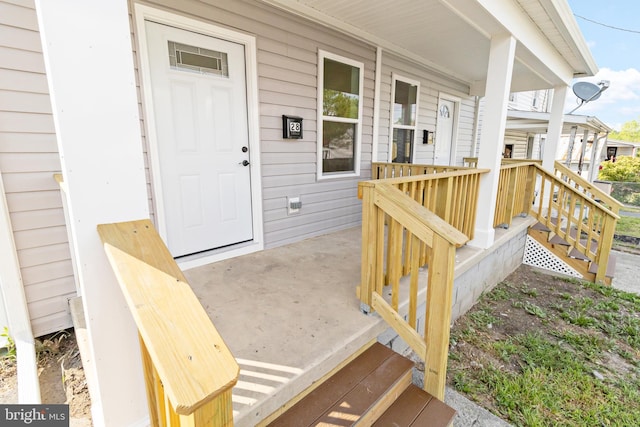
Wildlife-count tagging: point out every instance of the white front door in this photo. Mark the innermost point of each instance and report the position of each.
(200, 114)
(445, 123)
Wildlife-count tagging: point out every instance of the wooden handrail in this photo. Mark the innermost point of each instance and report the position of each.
(594, 224)
(189, 370)
(472, 162)
(383, 170)
(415, 236)
(516, 161)
(414, 217)
(587, 187)
(584, 223)
(452, 195)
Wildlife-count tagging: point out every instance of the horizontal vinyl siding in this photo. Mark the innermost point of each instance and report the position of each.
(519, 141)
(28, 159)
(287, 64)
(431, 86)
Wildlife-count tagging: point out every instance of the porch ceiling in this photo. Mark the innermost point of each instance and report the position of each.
(453, 36)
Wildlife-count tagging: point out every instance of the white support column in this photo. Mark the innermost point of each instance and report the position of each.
(501, 57)
(583, 149)
(554, 132)
(570, 144)
(89, 62)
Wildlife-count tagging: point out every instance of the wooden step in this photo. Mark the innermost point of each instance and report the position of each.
(359, 393)
(611, 266)
(540, 226)
(414, 408)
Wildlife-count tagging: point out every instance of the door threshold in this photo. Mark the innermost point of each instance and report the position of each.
(207, 257)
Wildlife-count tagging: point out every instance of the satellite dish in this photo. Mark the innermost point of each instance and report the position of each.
(587, 91)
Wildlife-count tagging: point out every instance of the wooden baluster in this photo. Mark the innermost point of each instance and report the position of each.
(379, 262)
(394, 256)
(413, 287)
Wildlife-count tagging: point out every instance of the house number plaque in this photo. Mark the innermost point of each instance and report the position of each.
(291, 127)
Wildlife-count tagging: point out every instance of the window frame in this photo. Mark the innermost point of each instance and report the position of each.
(321, 118)
(395, 78)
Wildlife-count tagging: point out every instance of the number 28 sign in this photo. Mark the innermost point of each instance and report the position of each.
(291, 127)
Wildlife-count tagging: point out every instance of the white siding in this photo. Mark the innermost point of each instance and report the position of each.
(519, 142)
(287, 54)
(28, 159)
(431, 86)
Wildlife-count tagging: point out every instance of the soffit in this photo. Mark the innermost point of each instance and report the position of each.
(451, 37)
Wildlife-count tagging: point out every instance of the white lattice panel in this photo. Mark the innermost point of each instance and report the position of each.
(537, 255)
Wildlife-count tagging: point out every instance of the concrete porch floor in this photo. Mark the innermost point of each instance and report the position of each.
(290, 314)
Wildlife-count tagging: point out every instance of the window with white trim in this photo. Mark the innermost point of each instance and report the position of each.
(340, 83)
(404, 114)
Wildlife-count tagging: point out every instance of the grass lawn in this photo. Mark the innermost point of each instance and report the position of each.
(545, 351)
(628, 226)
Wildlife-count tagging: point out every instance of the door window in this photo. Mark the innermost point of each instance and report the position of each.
(404, 120)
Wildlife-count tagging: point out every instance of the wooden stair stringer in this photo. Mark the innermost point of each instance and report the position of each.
(561, 251)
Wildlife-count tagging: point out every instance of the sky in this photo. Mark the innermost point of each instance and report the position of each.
(617, 54)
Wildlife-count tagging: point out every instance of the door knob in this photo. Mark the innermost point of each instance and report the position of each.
(244, 163)
(245, 149)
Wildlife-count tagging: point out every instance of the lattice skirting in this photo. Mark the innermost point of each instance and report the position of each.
(537, 255)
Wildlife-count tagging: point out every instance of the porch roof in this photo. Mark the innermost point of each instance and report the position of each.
(538, 122)
(453, 37)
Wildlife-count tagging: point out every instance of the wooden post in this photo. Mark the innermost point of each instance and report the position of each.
(189, 370)
(438, 316)
(369, 225)
(606, 241)
(155, 394)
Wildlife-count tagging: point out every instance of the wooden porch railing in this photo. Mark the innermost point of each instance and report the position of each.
(515, 186)
(416, 236)
(381, 170)
(189, 371)
(587, 188)
(585, 224)
(448, 191)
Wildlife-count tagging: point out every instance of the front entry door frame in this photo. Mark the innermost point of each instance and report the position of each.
(143, 13)
(454, 131)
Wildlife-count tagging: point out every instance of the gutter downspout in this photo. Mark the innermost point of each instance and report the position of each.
(17, 310)
(476, 128)
(376, 106)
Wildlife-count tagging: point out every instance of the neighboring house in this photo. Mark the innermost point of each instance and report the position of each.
(617, 148)
(119, 97)
(526, 132)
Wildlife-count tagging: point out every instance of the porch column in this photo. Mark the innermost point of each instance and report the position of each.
(89, 63)
(501, 57)
(554, 132)
(583, 149)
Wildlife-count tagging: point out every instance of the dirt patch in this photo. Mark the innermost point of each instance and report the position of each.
(534, 323)
(61, 376)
